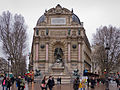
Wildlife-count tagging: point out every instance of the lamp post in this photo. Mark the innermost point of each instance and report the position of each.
(8, 66)
(106, 61)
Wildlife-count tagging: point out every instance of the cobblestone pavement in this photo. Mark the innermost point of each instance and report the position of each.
(36, 86)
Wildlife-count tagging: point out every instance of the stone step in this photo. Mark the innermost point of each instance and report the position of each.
(64, 78)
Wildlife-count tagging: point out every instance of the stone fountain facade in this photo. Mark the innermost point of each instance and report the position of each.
(60, 44)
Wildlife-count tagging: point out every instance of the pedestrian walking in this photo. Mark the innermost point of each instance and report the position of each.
(98, 81)
(12, 80)
(93, 82)
(18, 81)
(76, 83)
(117, 81)
(53, 81)
(88, 81)
(50, 83)
(60, 80)
(22, 83)
(8, 83)
(4, 84)
(83, 84)
(44, 83)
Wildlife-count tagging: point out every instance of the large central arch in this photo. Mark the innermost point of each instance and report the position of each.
(58, 47)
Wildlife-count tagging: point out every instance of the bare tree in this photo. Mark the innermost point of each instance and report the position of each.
(111, 36)
(13, 36)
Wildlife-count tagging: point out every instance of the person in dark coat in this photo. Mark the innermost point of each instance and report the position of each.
(50, 83)
(93, 82)
(60, 80)
(8, 83)
(76, 83)
(117, 81)
(18, 82)
(88, 81)
(53, 81)
(12, 80)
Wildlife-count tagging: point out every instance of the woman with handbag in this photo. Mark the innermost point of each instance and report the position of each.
(44, 83)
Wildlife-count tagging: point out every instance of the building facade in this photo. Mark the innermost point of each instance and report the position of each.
(5, 66)
(60, 44)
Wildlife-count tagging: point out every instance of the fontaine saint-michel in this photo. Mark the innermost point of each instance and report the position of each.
(60, 44)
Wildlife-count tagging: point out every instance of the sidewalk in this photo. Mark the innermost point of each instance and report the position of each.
(36, 86)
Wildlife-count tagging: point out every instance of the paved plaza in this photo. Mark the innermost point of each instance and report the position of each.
(36, 86)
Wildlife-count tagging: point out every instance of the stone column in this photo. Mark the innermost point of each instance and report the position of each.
(46, 52)
(68, 52)
(36, 51)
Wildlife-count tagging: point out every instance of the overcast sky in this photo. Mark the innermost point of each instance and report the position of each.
(93, 13)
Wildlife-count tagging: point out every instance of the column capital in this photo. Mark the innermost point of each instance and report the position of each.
(79, 42)
(47, 42)
(69, 42)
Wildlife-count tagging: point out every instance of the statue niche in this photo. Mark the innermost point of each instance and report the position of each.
(58, 65)
(58, 55)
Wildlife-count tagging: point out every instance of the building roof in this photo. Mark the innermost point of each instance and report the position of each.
(74, 19)
(41, 19)
(58, 10)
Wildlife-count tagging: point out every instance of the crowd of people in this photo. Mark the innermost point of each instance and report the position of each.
(7, 82)
(91, 82)
(78, 84)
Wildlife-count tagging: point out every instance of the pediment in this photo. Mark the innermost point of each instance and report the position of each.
(58, 10)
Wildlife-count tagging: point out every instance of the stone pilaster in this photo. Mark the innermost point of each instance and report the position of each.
(46, 52)
(36, 49)
(69, 52)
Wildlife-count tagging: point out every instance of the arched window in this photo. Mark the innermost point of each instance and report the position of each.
(37, 32)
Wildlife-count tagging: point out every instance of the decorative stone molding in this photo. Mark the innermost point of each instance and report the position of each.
(58, 10)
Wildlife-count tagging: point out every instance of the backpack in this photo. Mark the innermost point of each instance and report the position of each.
(4, 82)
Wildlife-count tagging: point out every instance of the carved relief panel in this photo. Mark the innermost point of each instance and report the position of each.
(58, 33)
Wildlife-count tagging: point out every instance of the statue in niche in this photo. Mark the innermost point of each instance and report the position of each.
(78, 31)
(58, 55)
(47, 31)
(69, 31)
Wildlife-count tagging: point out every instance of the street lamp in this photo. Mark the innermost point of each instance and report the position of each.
(8, 66)
(107, 82)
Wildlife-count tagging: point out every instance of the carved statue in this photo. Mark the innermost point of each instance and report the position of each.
(78, 31)
(37, 72)
(75, 72)
(47, 31)
(69, 31)
(58, 55)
